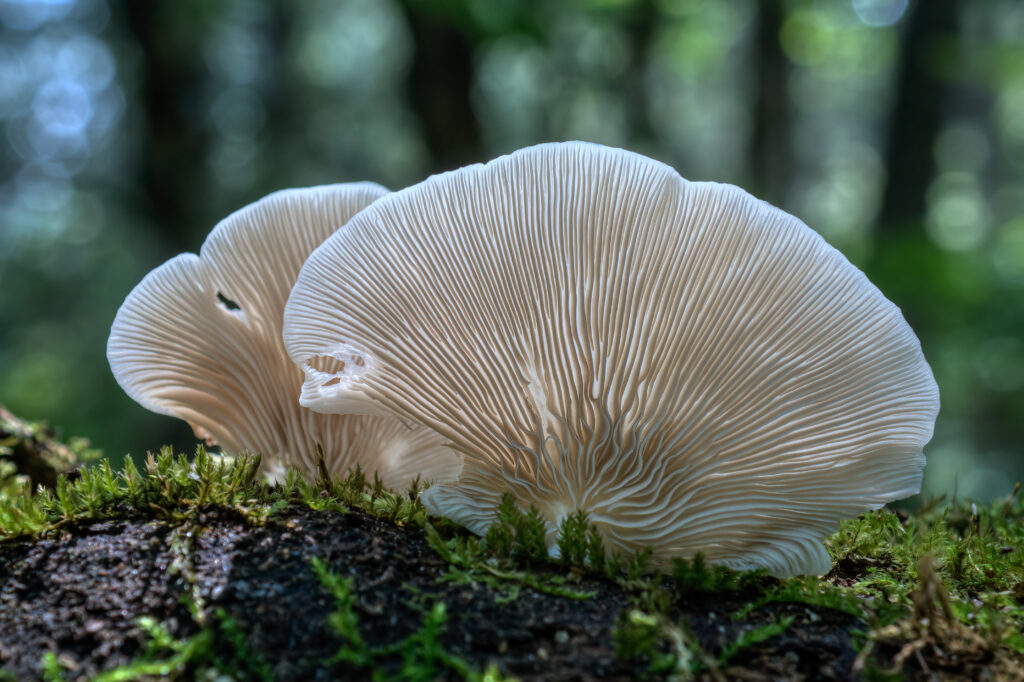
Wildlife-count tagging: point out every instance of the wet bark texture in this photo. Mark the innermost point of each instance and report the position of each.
(80, 594)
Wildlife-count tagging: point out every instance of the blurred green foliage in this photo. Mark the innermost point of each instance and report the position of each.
(893, 127)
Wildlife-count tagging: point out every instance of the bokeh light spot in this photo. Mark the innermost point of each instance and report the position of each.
(957, 215)
(28, 15)
(1001, 363)
(961, 147)
(1008, 252)
(238, 113)
(881, 12)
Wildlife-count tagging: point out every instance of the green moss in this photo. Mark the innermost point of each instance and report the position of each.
(755, 635)
(518, 535)
(50, 668)
(697, 576)
(420, 657)
(811, 591)
(172, 487)
(640, 638)
(218, 649)
(580, 543)
(472, 560)
(176, 486)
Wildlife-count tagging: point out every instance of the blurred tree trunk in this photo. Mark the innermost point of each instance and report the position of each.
(440, 87)
(770, 147)
(916, 111)
(640, 26)
(286, 98)
(170, 75)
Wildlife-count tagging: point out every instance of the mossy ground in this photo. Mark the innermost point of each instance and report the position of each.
(196, 569)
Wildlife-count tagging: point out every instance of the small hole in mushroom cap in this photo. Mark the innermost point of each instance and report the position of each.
(334, 369)
(328, 364)
(227, 304)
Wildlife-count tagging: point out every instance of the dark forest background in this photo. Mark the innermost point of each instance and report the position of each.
(893, 127)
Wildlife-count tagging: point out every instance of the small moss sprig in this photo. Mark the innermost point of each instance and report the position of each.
(420, 657)
(219, 649)
(518, 535)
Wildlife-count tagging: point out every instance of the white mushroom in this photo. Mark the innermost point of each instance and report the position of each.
(694, 368)
(200, 339)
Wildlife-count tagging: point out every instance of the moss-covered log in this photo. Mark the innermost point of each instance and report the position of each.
(197, 568)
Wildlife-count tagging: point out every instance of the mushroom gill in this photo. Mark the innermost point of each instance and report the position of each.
(695, 369)
(200, 339)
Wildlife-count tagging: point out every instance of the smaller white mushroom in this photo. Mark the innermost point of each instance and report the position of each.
(200, 339)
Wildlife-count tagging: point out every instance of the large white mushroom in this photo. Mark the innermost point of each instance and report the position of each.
(200, 339)
(694, 368)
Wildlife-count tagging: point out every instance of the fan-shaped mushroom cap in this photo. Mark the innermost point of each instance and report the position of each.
(696, 369)
(200, 338)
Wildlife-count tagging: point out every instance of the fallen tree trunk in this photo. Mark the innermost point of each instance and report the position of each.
(199, 570)
(81, 594)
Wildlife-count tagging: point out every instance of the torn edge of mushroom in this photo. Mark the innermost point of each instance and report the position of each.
(330, 376)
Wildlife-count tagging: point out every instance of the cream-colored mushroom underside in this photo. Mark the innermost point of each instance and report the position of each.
(694, 368)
